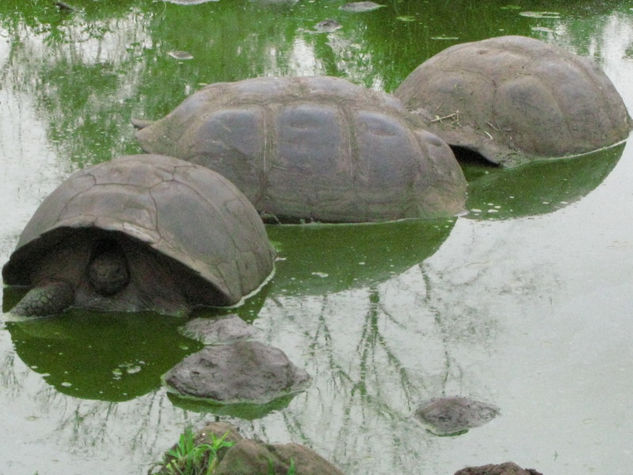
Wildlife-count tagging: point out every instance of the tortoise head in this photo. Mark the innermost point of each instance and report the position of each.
(108, 269)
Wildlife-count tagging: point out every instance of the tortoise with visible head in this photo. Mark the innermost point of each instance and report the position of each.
(315, 148)
(140, 233)
(513, 99)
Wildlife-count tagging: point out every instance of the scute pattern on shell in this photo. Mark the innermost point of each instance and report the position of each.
(316, 148)
(514, 98)
(185, 212)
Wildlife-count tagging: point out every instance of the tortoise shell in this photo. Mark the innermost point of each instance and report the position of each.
(513, 99)
(192, 219)
(314, 148)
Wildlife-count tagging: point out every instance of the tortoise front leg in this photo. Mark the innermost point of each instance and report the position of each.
(49, 298)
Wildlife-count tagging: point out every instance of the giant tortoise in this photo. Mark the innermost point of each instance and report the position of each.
(140, 233)
(314, 148)
(513, 99)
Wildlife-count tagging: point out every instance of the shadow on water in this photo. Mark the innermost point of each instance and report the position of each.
(318, 259)
(110, 357)
(247, 309)
(242, 411)
(537, 188)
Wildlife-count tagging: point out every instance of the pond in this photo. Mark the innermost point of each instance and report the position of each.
(523, 302)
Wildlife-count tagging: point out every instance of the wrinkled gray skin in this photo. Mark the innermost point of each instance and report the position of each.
(70, 275)
(514, 99)
(454, 415)
(140, 233)
(107, 274)
(314, 148)
(46, 298)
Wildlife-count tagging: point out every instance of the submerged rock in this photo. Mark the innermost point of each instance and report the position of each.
(241, 372)
(214, 331)
(454, 415)
(65, 7)
(507, 468)
(180, 55)
(189, 2)
(327, 26)
(359, 7)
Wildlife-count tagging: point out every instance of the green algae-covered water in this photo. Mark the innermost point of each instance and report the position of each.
(525, 302)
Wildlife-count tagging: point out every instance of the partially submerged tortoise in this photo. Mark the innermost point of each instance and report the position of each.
(314, 148)
(140, 233)
(513, 99)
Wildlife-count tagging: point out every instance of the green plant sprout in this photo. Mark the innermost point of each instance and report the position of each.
(189, 458)
(292, 469)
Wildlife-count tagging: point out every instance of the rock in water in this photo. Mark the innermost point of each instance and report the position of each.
(454, 415)
(180, 55)
(241, 372)
(327, 26)
(247, 456)
(215, 331)
(507, 468)
(360, 7)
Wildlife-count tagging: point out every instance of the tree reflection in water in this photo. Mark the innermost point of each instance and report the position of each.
(70, 85)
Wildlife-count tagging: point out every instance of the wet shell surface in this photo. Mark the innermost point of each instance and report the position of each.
(513, 99)
(177, 224)
(314, 148)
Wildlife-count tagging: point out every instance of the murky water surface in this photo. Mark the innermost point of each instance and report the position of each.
(524, 303)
